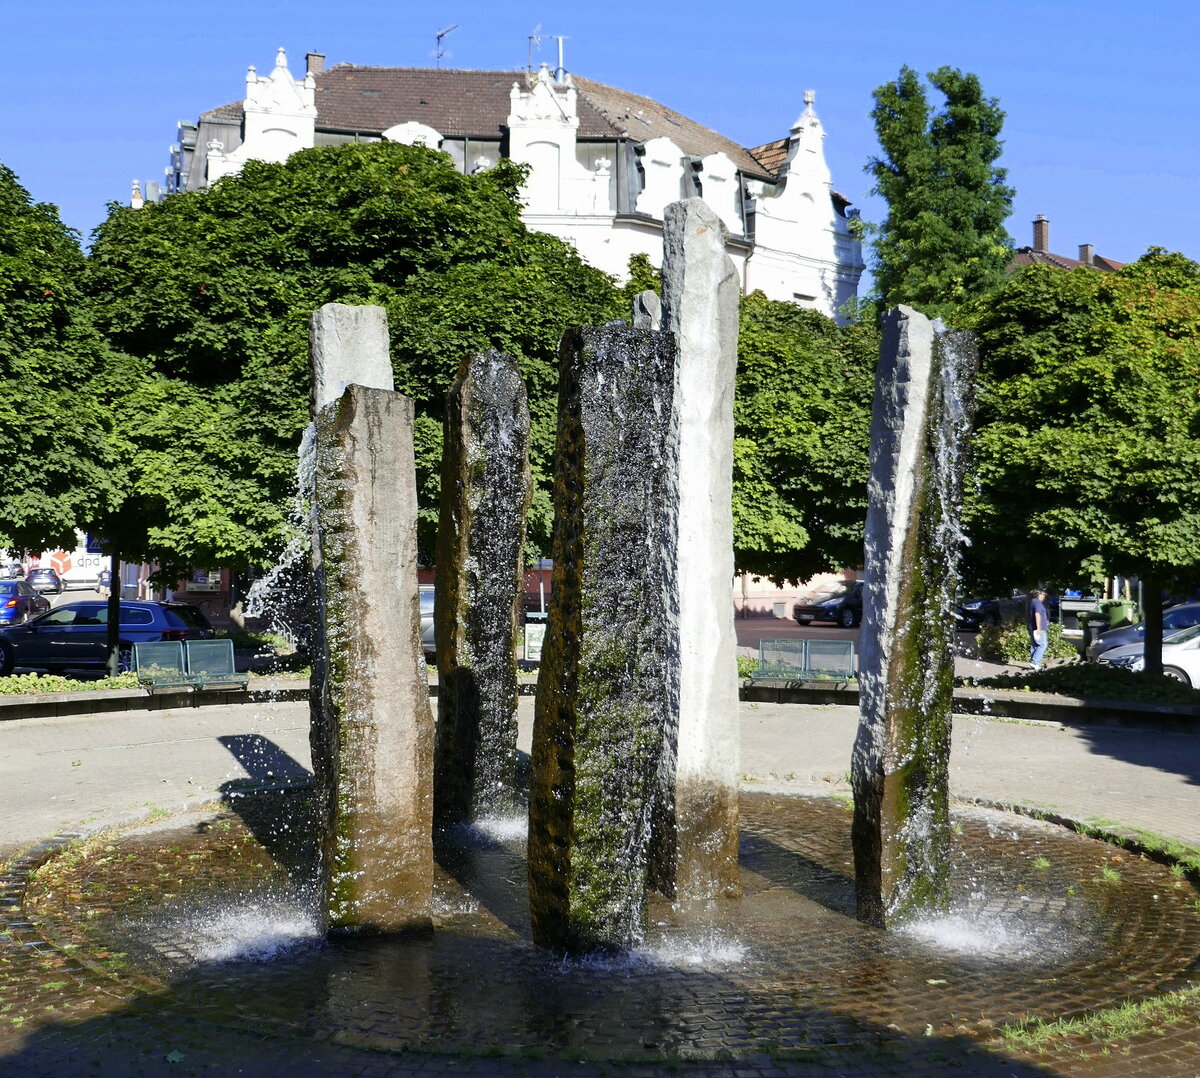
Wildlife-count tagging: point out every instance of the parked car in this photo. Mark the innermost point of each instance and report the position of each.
(1183, 616)
(19, 602)
(427, 640)
(12, 571)
(841, 604)
(76, 634)
(1180, 656)
(45, 579)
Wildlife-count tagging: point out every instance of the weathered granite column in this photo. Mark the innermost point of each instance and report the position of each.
(900, 766)
(480, 550)
(608, 663)
(372, 726)
(696, 820)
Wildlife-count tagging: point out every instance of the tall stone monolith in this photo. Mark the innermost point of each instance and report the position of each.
(696, 820)
(372, 726)
(480, 552)
(900, 765)
(608, 669)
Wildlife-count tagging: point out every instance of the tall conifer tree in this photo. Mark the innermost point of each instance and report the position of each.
(943, 240)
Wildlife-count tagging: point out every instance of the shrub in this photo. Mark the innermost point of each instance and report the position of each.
(1010, 644)
(746, 665)
(1098, 682)
(21, 684)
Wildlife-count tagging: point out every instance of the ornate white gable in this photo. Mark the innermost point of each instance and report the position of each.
(279, 118)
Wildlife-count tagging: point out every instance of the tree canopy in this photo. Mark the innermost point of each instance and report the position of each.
(802, 417)
(1089, 425)
(943, 239)
(55, 435)
(208, 296)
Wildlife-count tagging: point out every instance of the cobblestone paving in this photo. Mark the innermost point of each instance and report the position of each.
(785, 983)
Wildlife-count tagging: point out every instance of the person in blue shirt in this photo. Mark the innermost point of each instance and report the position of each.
(1038, 623)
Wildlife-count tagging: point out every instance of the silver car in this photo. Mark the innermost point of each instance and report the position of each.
(1178, 617)
(1180, 656)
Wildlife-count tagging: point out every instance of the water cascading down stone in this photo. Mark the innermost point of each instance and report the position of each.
(900, 766)
(608, 662)
(372, 726)
(481, 536)
(696, 820)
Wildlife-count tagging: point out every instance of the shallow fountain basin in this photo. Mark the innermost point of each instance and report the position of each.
(217, 919)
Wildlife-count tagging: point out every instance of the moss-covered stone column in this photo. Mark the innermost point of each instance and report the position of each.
(372, 726)
(480, 547)
(608, 661)
(900, 766)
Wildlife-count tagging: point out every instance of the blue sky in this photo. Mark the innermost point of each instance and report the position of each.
(1100, 134)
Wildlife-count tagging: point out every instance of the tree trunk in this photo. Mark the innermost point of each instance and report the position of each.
(114, 618)
(1152, 616)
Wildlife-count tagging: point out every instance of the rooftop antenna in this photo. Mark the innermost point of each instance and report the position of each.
(438, 51)
(535, 42)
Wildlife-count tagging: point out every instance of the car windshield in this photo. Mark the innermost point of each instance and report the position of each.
(1183, 636)
(8, 587)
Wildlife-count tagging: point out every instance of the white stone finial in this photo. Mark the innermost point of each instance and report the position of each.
(136, 200)
(281, 59)
(809, 116)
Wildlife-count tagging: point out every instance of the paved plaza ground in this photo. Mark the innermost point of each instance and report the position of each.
(86, 773)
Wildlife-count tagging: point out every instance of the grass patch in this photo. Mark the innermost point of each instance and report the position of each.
(1107, 1027)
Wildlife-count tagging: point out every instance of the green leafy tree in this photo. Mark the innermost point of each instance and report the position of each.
(208, 296)
(802, 416)
(1089, 428)
(943, 240)
(55, 435)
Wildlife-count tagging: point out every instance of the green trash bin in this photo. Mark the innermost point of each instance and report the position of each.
(1120, 611)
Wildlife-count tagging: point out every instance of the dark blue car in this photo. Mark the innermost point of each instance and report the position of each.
(75, 635)
(19, 602)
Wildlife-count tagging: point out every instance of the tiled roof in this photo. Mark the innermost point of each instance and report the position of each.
(771, 155)
(644, 118)
(1030, 256)
(476, 104)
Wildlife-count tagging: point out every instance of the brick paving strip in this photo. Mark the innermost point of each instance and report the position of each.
(72, 776)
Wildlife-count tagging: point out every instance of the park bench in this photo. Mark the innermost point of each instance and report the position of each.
(192, 664)
(210, 665)
(796, 661)
(159, 665)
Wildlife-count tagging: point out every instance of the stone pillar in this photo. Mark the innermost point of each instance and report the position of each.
(696, 822)
(372, 726)
(608, 663)
(347, 345)
(900, 765)
(480, 552)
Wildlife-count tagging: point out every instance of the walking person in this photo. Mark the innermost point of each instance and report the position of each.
(1038, 623)
(104, 583)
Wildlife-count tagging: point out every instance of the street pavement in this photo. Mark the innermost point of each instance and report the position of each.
(90, 772)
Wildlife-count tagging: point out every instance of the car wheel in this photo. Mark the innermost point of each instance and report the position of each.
(124, 657)
(7, 659)
(847, 619)
(1176, 674)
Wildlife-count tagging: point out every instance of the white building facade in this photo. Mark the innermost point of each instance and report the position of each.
(603, 162)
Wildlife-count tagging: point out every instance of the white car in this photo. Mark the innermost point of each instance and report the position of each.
(1180, 656)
